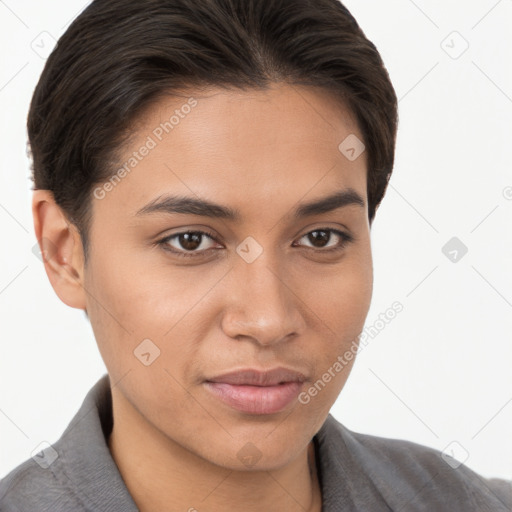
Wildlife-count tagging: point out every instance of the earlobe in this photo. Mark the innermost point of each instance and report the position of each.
(61, 249)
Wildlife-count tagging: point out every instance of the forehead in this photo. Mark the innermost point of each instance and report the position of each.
(246, 148)
(280, 114)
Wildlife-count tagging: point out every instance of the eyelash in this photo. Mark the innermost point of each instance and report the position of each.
(345, 240)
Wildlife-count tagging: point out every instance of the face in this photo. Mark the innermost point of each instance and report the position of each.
(178, 295)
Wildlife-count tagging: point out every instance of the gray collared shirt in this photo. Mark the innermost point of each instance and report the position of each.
(357, 472)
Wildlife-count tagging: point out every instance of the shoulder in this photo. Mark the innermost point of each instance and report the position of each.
(411, 475)
(32, 487)
(77, 473)
(48, 480)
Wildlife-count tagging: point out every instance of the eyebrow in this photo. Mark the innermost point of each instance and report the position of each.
(193, 206)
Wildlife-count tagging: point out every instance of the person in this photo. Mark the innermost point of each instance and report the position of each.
(206, 174)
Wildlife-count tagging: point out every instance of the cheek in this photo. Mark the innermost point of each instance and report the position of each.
(340, 295)
(340, 302)
(141, 298)
(342, 311)
(356, 282)
(129, 305)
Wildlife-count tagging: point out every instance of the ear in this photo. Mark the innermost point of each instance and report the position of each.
(61, 249)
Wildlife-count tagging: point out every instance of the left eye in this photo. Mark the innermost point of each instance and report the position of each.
(191, 242)
(325, 235)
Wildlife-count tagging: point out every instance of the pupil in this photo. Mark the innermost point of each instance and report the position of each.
(323, 238)
(190, 240)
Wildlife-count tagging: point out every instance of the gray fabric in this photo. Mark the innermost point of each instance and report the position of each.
(357, 473)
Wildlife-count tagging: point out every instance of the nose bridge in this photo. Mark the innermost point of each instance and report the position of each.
(261, 305)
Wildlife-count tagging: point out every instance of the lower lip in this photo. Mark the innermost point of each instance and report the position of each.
(256, 399)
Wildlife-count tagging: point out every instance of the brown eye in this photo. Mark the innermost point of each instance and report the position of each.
(195, 243)
(188, 243)
(320, 239)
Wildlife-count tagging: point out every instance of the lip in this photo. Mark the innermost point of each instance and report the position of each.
(257, 392)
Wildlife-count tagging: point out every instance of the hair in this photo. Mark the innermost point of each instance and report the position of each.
(119, 56)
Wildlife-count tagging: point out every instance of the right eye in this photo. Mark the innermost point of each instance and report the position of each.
(186, 243)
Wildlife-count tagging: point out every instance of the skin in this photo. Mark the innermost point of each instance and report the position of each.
(262, 152)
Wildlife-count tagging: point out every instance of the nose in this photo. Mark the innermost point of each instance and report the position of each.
(261, 303)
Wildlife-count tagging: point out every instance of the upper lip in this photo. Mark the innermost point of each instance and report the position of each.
(252, 377)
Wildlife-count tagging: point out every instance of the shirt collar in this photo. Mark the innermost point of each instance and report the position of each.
(85, 458)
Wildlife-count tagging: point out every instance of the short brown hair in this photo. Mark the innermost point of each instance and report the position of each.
(119, 55)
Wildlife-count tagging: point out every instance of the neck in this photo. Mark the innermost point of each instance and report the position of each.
(162, 475)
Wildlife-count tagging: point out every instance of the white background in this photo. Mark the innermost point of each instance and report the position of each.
(441, 370)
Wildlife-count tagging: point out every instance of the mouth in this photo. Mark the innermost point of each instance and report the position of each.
(255, 392)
